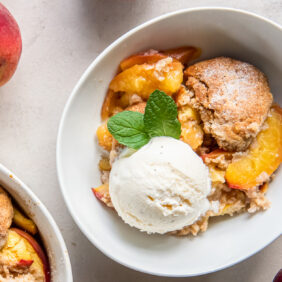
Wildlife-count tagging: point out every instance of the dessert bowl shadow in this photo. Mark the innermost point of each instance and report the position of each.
(219, 32)
(49, 232)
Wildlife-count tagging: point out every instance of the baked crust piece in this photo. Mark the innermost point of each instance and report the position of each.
(6, 216)
(140, 107)
(233, 98)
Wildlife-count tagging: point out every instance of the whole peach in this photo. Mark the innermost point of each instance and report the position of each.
(10, 45)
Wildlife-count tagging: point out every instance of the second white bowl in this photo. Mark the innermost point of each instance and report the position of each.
(49, 232)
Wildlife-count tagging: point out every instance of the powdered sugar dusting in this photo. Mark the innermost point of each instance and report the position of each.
(235, 84)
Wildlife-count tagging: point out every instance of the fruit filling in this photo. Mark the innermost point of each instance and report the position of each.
(21, 256)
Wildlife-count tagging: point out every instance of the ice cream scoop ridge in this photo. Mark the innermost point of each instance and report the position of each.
(160, 188)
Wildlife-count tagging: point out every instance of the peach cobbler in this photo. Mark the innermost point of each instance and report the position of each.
(21, 256)
(186, 142)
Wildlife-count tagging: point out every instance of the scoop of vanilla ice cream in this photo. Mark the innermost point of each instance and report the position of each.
(160, 188)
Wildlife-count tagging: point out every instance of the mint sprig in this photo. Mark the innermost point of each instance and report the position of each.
(134, 129)
(128, 129)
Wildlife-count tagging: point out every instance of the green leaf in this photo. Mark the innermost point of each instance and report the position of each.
(160, 118)
(128, 129)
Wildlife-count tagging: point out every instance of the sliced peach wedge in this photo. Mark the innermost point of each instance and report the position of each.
(165, 75)
(23, 222)
(263, 157)
(108, 105)
(100, 191)
(105, 138)
(102, 194)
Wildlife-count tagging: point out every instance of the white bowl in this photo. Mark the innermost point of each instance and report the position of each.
(49, 231)
(218, 31)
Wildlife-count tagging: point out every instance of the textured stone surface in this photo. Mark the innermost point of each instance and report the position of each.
(60, 39)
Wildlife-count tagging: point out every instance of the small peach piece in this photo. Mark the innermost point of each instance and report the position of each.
(165, 75)
(25, 223)
(192, 134)
(104, 164)
(100, 191)
(191, 131)
(149, 57)
(10, 45)
(105, 138)
(183, 54)
(103, 195)
(186, 113)
(263, 157)
(125, 100)
(108, 105)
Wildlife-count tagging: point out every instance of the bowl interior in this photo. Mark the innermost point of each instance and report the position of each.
(49, 232)
(219, 32)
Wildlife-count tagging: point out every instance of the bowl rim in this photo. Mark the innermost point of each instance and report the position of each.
(30, 194)
(74, 92)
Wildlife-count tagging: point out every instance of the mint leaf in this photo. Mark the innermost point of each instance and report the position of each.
(128, 129)
(134, 129)
(160, 118)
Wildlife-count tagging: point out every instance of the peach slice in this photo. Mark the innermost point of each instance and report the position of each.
(165, 75)
(105, 138)
(102, 194)
(111, 105)
(25, 223)
(100, 191)
(263, 157)
(23, 251)
(108, 105)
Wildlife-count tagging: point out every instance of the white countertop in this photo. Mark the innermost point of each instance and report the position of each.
(60, 39)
